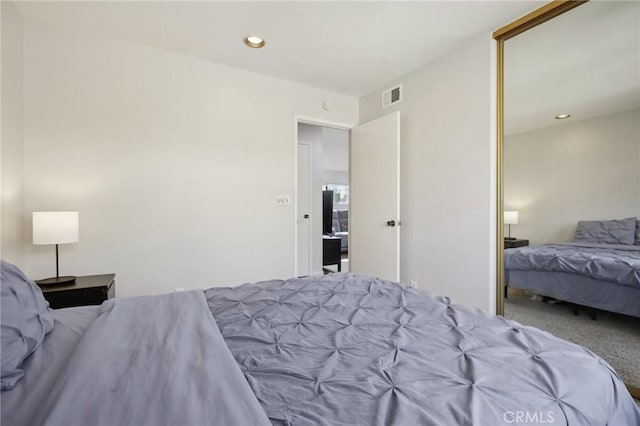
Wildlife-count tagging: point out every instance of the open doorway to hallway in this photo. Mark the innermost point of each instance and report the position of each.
(322, 199)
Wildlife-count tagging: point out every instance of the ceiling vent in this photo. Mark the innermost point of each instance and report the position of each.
(391, 96)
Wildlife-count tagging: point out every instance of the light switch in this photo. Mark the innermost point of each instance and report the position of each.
(283, 200)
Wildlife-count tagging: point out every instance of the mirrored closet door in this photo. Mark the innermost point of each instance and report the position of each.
(571, 180)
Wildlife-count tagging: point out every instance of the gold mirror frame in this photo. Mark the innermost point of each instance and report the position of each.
(533, 19)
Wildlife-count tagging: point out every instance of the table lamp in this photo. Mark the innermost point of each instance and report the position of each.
(56, 228)
(510, 218)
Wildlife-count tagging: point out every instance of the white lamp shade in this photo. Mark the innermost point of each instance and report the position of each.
(56, 227)
(511, 218)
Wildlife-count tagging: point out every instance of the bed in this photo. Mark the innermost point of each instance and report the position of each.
(338, 349)
(599, 269)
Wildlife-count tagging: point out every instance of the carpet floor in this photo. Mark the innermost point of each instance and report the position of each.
(615, 338)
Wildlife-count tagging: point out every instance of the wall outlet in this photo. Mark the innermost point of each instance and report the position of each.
(179, 289)
(413, 284)
(283, 200)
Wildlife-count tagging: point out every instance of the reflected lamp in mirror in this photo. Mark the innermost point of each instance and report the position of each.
(510, 218)
(56, 228)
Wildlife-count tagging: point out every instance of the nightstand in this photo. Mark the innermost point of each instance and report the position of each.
(331, 251)
(86, 290)
(515, 243)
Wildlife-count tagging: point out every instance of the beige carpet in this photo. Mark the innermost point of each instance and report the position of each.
(616, 338)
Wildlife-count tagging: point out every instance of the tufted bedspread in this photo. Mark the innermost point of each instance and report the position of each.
(344, 349)
(619, 264)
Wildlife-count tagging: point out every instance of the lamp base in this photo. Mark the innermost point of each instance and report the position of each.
(56, 280)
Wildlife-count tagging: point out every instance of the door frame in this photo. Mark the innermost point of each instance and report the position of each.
(315, 122)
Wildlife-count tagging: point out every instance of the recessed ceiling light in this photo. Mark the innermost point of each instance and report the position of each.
(254, 42)
(562, 116)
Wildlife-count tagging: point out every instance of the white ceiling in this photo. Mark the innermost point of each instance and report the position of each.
(585, 62)
(349, 47)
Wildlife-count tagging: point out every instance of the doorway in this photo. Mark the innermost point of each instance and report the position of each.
(371, 171)
(322, 201)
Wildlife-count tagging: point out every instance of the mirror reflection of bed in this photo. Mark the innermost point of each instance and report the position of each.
(575, 181)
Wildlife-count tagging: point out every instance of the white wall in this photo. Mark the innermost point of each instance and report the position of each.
(448, 173)
(332, 176)
(581, 170)
(174, 163)
(12, 214)
(335, 159)
(335, 155)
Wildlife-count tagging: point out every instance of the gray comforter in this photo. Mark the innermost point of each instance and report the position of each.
(618, 264)
(344, 349)
(340, 349)
(156, 360)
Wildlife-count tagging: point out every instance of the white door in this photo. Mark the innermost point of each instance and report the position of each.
(304, 209)
(374, 234)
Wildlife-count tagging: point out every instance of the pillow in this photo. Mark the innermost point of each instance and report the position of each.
(25, 319)
(607, 231)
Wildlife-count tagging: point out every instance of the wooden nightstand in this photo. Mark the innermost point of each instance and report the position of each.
(515, 243)
(86, 290)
